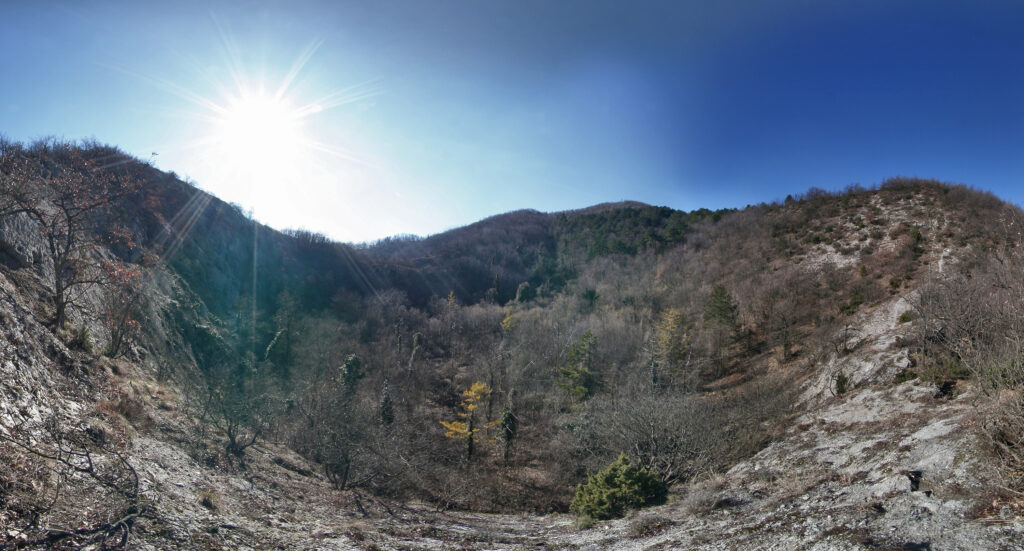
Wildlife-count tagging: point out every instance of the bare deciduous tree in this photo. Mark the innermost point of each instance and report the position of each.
(65, 198)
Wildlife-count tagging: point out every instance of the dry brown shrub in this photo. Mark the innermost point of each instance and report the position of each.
(128, 406)
(648, 525)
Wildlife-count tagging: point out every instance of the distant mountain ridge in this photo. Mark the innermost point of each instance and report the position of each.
(491, 257)
(601, 207)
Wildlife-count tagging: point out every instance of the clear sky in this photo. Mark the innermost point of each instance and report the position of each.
(372, 118)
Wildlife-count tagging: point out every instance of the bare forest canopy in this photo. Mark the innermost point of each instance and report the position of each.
(493, 366)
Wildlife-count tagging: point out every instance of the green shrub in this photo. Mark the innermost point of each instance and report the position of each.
(943, 369)
(82, 338)
(842, 384)
(525, 292)
(904, 376)
(906, 316)
(620, 486)
(856, 300)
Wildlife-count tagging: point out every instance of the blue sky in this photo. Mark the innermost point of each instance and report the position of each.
(419, 116)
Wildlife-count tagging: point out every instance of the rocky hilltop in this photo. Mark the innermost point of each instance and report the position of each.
(836, 371)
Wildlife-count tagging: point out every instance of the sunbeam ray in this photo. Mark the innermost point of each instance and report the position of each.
(297, 66)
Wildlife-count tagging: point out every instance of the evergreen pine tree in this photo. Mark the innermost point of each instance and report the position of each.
(509, 428)
(386, 409)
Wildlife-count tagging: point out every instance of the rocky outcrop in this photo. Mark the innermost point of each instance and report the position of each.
(20, 242)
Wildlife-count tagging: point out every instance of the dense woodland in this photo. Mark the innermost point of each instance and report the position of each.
(493, 366)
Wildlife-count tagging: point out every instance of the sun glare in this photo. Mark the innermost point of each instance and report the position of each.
(264, 140)
(259, 135)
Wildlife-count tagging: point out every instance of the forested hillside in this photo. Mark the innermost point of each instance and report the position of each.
(487, 368)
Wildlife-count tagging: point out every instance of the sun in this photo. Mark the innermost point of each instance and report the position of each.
(266, 139)
(259, 135)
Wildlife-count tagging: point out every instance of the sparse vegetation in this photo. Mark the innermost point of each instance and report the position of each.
(60, 457)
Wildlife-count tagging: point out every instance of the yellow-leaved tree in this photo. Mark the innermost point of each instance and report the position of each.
(466, 426)
(673, 348)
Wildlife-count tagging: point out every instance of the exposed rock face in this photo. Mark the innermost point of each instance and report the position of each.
(19, 242)
(33, 364)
